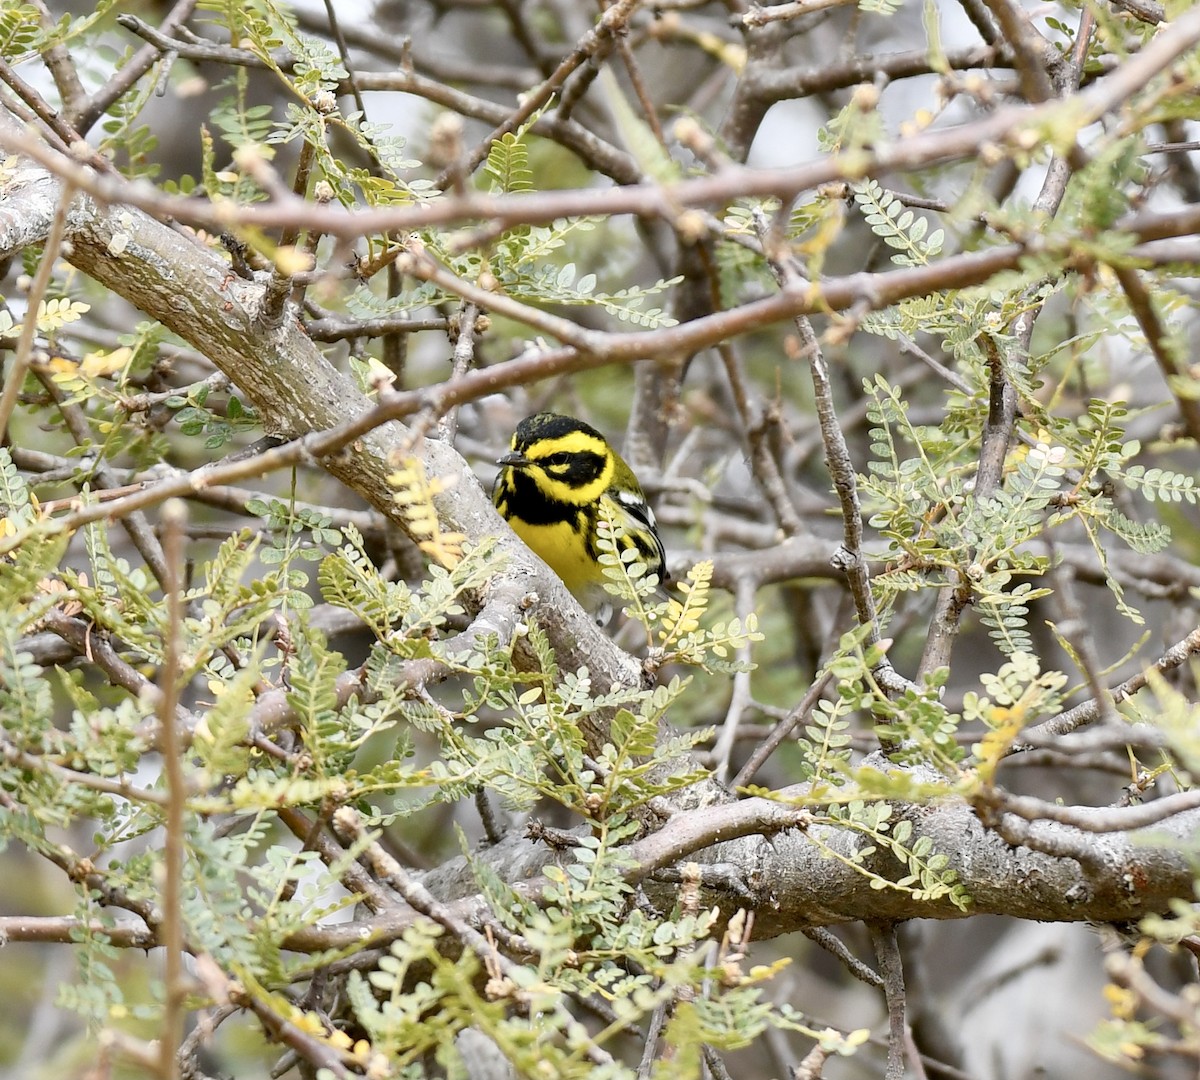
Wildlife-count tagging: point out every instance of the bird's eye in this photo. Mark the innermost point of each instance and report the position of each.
(558, 460)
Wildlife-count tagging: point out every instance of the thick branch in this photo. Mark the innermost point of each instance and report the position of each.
(795, 885)
(791, 883)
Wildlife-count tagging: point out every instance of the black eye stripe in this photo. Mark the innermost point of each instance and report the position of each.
(582, 463)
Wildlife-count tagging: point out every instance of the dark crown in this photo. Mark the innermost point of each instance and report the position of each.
(548, 425)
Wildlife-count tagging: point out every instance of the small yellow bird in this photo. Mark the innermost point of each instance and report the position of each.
(558, 480)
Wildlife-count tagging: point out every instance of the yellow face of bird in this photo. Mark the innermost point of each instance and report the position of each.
(567, 460)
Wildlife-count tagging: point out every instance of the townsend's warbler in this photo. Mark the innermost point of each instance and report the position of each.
(558, 482)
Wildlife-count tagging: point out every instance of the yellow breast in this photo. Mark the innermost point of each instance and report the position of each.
(561, 547)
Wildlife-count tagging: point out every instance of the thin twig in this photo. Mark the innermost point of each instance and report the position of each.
(344, 52)
(887, 951)
(850, 558)
(174, 517)
(464, 360)
(318, 1051)
(1090, 711)
(1091, 819)
(739, 699)
(600, 36)
(492, 829)
(1075, 629)
(37, 763)
(657, 1019)
(353, 877)
(782, 730)
(141, 62)
(23, 356)
(794, 9)
(1031, 51)
(1179, 379)
(135, 524)
(59, 131)
(833, 944)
